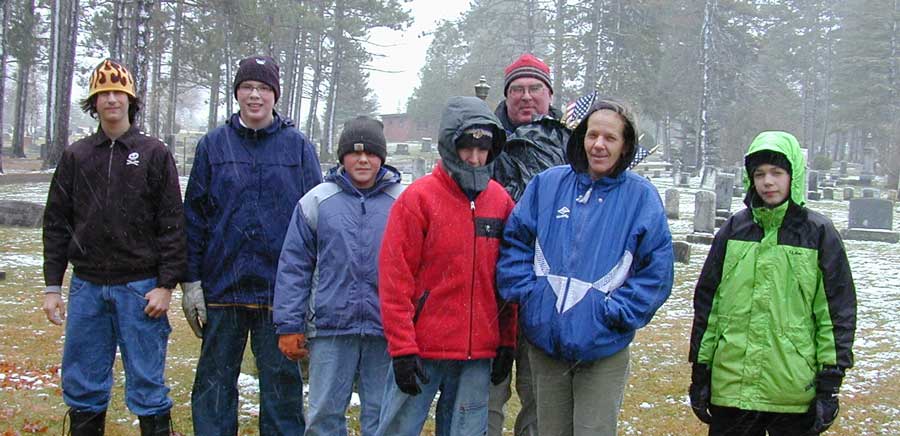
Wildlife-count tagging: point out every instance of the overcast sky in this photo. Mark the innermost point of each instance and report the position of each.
(404, 52)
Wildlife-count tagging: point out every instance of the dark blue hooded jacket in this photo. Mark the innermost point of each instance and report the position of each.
(239, 199)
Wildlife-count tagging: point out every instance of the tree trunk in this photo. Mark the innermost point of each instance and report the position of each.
(298, 83)
(140, 59)
(559, 44)
(18, 138)
(117, 45)
(286, 104)
(169, 128)
(214, 91)
(3, 57)
(156, 93)
(705, 48)
(334, 82)
(229, 98)
(592, 57)
(68, 36)
(52, 70)
(314, 92)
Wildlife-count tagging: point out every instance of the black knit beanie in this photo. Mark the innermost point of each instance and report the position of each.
(260, 68)
(478, 136)
(362, 134)
(751, 162)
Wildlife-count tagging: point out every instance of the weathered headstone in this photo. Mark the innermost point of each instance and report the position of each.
(871, 219)
(2, 275)
(827, 193)
(672, 198)
(418, 168)
(738, 192)
(870, 193)
(684, 179)
(426, 145)
(843, 169)
(682, 251)
(814, 195)
(704, 217)
(892, 195)
(812, 181)
(402, 149)
(848, 193)
(724, 189)
(20, 213)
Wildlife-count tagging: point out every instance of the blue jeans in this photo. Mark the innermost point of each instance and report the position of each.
(335, 362)
(403, 414)
(101, 317)
(214, 399)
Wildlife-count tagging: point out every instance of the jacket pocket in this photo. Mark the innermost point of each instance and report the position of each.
(419, 305)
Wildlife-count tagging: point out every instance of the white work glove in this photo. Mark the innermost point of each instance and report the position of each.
(193, 305)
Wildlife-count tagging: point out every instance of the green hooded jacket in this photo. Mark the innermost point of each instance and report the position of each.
(775, 301)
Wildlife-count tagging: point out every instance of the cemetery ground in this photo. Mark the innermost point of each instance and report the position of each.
(655, 400)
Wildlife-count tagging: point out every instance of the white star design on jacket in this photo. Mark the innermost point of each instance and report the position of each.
(578, 289)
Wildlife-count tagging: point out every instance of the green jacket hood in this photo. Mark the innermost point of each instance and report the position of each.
(786, 144)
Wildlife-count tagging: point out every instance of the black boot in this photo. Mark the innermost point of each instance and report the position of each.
(156, 425)
(86, 423)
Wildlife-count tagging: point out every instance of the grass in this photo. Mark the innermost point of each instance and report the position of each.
(655, 400)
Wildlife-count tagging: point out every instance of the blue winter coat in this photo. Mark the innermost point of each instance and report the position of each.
(327, 276)
(589, 262)
(239, 199)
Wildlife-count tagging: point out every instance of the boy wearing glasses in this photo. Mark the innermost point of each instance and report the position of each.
(246, 179)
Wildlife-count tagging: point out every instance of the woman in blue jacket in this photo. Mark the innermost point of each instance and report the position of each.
(587, 254)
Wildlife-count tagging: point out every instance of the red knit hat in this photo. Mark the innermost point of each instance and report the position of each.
(527, 66)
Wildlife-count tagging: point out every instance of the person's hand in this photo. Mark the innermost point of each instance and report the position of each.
(157, 302)
(826, 404)
(502, 364)
(700, 391)
(293, 346)
(193, 306)
(54, 307)
(406, 370)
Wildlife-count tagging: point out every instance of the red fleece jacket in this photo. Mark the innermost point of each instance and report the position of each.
(437, 272)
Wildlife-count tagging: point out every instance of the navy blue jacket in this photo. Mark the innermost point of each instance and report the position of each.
(240, 196)
(327, 276)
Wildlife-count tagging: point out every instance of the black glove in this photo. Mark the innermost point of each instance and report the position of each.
(502, 364)
(826, 405)
(700, 391)
(406, 369)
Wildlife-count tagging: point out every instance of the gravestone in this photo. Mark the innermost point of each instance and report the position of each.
(892, 195)
(814, 195)
(418, 168)
(672, 198)
(684, 179)
(17, 213)
(812, 181)
(843, 169)
(2, 275)
(426, 145)
(682, 251)
(704, 217)
(724, 191)
(402, 149)
(848, 194)
(827, 193)
(871, 219)
(738, 192)
(870, 193)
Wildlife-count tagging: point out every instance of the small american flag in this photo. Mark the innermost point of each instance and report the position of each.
(641, 154)
(576, 110)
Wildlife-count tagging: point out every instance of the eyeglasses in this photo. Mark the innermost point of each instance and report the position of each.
(519, 90)
(247, 88)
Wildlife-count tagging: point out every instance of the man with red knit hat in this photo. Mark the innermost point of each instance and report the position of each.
(536, 140)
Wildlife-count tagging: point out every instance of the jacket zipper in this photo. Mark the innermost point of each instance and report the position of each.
(472, 287)
(112, 145)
